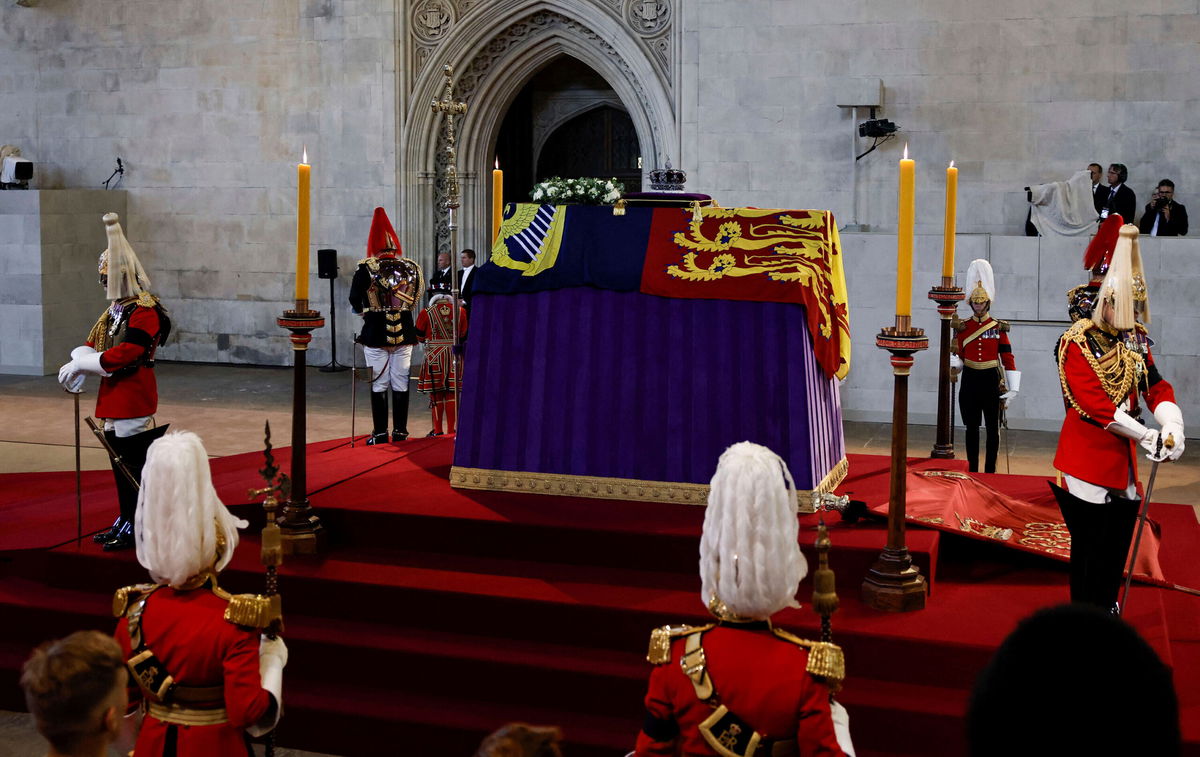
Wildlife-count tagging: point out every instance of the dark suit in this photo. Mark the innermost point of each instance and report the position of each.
(466, 290)
(440, 279)
(1100, 196)
(1124, 201)
(1176, 227)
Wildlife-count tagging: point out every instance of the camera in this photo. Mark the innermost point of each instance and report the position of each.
(877, 127)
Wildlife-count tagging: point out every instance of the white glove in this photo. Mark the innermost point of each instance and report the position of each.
(272, 657)
(1170, 417)
(1124, 425)
(1012, 379)
(841, 727)
(956, 363)
(83, 360)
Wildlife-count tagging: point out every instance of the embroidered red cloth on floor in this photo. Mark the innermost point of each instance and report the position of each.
(960, 503)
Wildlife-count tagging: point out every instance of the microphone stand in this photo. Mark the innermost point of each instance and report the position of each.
(120, 169)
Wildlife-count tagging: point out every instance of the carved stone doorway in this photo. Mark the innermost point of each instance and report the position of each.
(567, 121)
(496, 50)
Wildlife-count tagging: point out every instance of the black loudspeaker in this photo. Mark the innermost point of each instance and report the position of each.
(327, 264)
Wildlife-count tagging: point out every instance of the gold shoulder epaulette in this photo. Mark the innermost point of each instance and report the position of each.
(825, 659)
(1139, 328)
(147, 300)
(126, 595)
(1004, 325)
(660, 641)
(253, 610)
(372, 264)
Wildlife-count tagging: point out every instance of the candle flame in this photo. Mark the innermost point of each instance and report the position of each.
(304, 160)
(906, 151)
(497, 162)
(952, 164)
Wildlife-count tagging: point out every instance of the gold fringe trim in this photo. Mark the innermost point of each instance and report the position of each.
(253, 610)
(187, 717)
(601, 487)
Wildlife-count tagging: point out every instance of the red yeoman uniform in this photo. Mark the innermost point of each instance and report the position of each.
(189, 635)
(440, 372)
(762, 677)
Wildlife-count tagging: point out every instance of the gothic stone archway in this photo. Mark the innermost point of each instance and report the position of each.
(629, 42)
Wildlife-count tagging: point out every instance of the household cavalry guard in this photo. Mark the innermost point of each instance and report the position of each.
(740, 687)
(387, 287)
(120, 349)
(1105, 365)
(199, 668)
(981, 351)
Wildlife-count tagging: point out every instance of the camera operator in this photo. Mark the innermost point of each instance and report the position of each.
(1164, 217)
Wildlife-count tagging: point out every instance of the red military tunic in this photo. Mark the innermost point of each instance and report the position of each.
(1085, 449)
(435, 327)
(131, 391)
(188, 633)
(760, 677)
(983, 344)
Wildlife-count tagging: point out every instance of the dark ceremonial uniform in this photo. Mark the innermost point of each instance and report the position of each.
(1098, 371)
(435, 327)
(386, 300)
(983, 346)
(128, 333)
(192, 636)
(753, 689)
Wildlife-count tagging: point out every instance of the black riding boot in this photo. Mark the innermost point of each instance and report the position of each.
(399, 416)
(132, 451)
(1116, 534)
(971, 440)
(1083, 522)
(379, 404)
(991, 450)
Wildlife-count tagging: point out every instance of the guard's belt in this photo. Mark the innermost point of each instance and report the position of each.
(179, 715)
(159, 686)
(981, 365)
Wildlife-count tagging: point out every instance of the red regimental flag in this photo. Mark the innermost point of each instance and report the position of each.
(758, 255)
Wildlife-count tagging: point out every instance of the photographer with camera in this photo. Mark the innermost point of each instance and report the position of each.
(1164, 217)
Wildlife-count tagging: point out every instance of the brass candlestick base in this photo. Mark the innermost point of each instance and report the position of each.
(893, 583)
(301, 530)
(947, 296)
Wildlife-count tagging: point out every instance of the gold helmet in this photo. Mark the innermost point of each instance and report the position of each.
(981, 283)
(1123, 299)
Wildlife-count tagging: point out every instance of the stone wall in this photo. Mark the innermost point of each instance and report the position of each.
(1032, 278)
(1016, 92)
(50, 296)
(209, 104)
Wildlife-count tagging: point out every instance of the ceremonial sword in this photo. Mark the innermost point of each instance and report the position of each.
(1169, 443)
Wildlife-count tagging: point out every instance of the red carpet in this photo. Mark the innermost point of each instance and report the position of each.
(440, 614)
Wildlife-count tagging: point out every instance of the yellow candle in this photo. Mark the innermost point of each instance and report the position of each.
(302, 221)
(497, 200)
(951, 210)
(904, 236)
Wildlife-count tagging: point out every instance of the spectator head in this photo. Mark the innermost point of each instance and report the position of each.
(443, 260)
(521, 740)
(1080, 681)
(75, 688)
(467, 258)
(750, 560)
(1166, 189)
(1117, 174)
(1095, 169)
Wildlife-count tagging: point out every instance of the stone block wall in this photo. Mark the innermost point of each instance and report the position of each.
(209, 103)
(49, 292)
(1032, 277)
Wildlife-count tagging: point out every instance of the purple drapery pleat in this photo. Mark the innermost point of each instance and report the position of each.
(590, 382)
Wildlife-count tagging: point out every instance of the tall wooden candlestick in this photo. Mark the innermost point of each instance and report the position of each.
(893, 583)
(947, 296)
(301, 529)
